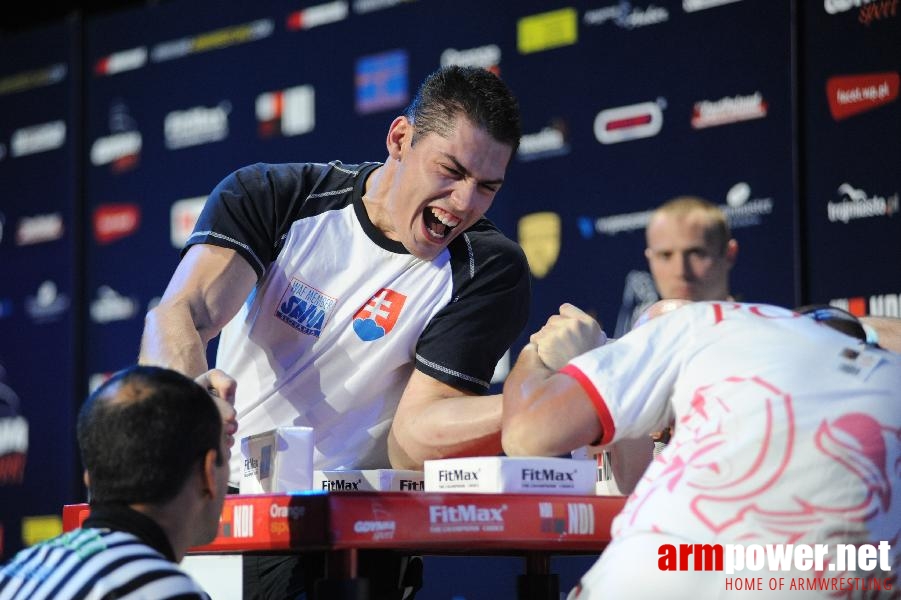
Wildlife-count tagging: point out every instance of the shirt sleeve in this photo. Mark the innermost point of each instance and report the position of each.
(633, 377)
(463, 343)
(251, 210)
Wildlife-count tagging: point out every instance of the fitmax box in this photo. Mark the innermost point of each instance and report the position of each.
(278, 460)
(506, 474)
(368, 480)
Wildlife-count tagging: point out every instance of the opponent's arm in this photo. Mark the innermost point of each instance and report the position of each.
(545, 413)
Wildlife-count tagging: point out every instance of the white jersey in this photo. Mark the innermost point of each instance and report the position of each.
(341, 315)
(786, 431)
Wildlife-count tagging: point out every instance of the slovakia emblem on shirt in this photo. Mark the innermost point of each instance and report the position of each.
(378, 316)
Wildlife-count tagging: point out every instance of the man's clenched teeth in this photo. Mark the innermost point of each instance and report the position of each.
(439, 222)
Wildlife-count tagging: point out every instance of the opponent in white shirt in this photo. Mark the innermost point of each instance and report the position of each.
(786, 432)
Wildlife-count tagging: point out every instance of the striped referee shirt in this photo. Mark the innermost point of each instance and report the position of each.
(119, 553)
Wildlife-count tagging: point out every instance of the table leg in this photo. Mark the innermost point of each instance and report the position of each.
(538, 583)
(341, 581)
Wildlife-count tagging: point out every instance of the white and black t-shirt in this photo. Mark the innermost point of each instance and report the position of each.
(341, 314)
(784, 428)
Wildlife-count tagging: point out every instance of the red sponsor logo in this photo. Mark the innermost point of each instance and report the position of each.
(849, 95)
(857, 307)
(115, 221)
(877, 11)
(626, 123)
(12, 468)
(320, 14)
(124, 60)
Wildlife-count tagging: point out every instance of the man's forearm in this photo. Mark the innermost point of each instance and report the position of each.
(171, 340)
(523, 383)
(545, 413)
(446, 427)
(528, 373)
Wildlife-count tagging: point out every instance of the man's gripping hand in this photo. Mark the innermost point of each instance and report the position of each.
(222, 388)
(566, 335)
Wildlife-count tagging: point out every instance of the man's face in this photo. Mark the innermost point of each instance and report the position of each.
(441, 185)
(210, 525)
(684, 262)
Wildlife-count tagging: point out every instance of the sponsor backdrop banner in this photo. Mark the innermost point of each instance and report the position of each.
(852, 141)
(621, 111)
(38, 290)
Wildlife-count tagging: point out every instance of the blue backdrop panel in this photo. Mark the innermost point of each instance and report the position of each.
(38, 291)
(852, 143)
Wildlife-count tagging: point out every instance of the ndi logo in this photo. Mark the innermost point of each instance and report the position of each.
(304, 308)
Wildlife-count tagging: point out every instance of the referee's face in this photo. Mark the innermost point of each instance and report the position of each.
(443, 185)
(684, 261)
(209, 527)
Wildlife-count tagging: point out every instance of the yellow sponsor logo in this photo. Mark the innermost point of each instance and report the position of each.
(547, 30)
(224, 37)
(39, 528)
(539, 236)
(27, 80)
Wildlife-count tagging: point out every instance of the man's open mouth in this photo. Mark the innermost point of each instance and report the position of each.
(439, 222)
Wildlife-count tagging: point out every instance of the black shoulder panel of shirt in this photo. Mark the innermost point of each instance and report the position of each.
(252, 209)
(489, 307)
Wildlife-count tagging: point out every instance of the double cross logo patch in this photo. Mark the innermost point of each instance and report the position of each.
(378, 316)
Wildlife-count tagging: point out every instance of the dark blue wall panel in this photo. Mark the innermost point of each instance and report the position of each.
(39, 234)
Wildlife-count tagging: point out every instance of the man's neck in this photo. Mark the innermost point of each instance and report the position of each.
(172, 519)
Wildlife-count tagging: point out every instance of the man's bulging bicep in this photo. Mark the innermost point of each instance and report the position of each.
(205, 292)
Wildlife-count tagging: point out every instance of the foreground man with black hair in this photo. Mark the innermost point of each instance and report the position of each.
(156, 466)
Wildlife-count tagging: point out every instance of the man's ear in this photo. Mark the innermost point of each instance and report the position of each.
(208, 474)
(731, 251)
(398, 132)
(86, 477)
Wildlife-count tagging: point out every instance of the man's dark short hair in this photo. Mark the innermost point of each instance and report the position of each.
(142, 432)
(477, 94)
